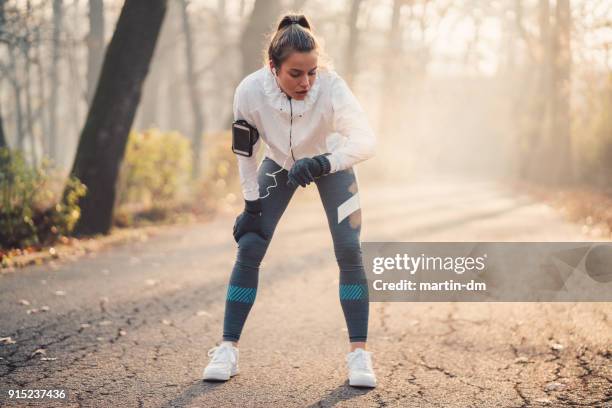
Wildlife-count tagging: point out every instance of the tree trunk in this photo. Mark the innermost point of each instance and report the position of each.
(20, 134)
(222, 83)
(390, 67)
(42, 96)
(95, 45)
(192, 87)
(54, 96)
(560, 138)
(28, 104)
(2, 136)
(260, 23)
(253, 39)
(350, 61)
(104, 137)
(3, 143)
(539, 126)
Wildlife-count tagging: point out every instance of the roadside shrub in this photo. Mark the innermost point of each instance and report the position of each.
(156, 169)
(33, 208)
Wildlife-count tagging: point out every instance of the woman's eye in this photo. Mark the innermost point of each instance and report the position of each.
(312, 73)
(295, 76)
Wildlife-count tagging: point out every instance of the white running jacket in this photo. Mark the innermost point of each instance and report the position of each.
(328, 120)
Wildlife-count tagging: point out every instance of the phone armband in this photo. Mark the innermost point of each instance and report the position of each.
(244, 137)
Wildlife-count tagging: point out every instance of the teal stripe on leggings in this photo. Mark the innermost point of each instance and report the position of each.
(240, 294)
(352, 292)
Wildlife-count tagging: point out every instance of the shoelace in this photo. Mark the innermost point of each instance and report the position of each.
(360, 360)
(218, 354)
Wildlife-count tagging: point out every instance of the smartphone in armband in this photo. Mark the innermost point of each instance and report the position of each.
(244, 137)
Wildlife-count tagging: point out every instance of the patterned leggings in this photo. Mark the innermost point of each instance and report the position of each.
(338, 193)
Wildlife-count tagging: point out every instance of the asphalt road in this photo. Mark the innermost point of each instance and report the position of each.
(131, 325)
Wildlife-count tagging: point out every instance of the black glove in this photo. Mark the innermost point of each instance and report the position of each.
(249, 220)
(305, 170)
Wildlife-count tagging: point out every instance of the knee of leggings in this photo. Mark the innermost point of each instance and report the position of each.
(348, 253)
(252, 248)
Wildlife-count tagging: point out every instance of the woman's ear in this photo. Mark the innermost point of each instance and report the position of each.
(272, 68)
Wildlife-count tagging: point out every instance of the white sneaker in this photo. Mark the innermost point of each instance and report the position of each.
(361, 373)
(224, 362)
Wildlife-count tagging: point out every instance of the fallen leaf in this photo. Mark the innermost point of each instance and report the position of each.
(7, 340)
(166, 322)
(48, 359)
(554, 386)
(39, 351)
(85, 325)
(122, 332)
(105, 323)
(202, 313)
(151, 282)
(24, 302)
(60, 293)
(45, 308)
(557, 346)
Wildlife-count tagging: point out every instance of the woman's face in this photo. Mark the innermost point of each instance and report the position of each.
(297, 73)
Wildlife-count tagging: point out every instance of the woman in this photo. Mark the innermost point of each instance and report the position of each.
(296, 106)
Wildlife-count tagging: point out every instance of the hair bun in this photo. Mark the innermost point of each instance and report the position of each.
(291, 19)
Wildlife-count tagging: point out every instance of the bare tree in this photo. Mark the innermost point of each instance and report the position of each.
(350, 61)
(26, 47)
(394, 51)
(2, 137)
(546, 90)
(41, 110)
(220, 63)
(54, 97)
(261, 22)
(104, 137)
(11, 74)
(560, 138)
(192, 85)
(95, 45)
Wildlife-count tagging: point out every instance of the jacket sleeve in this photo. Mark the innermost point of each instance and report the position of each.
(351, 122)
(247, 166)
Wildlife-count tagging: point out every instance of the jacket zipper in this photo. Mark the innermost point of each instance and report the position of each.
(290, 127)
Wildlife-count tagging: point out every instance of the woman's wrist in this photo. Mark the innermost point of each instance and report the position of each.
(253, 207)
(324, 163)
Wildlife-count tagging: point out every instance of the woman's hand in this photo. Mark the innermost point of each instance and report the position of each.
(249, 220)
(305, 170)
